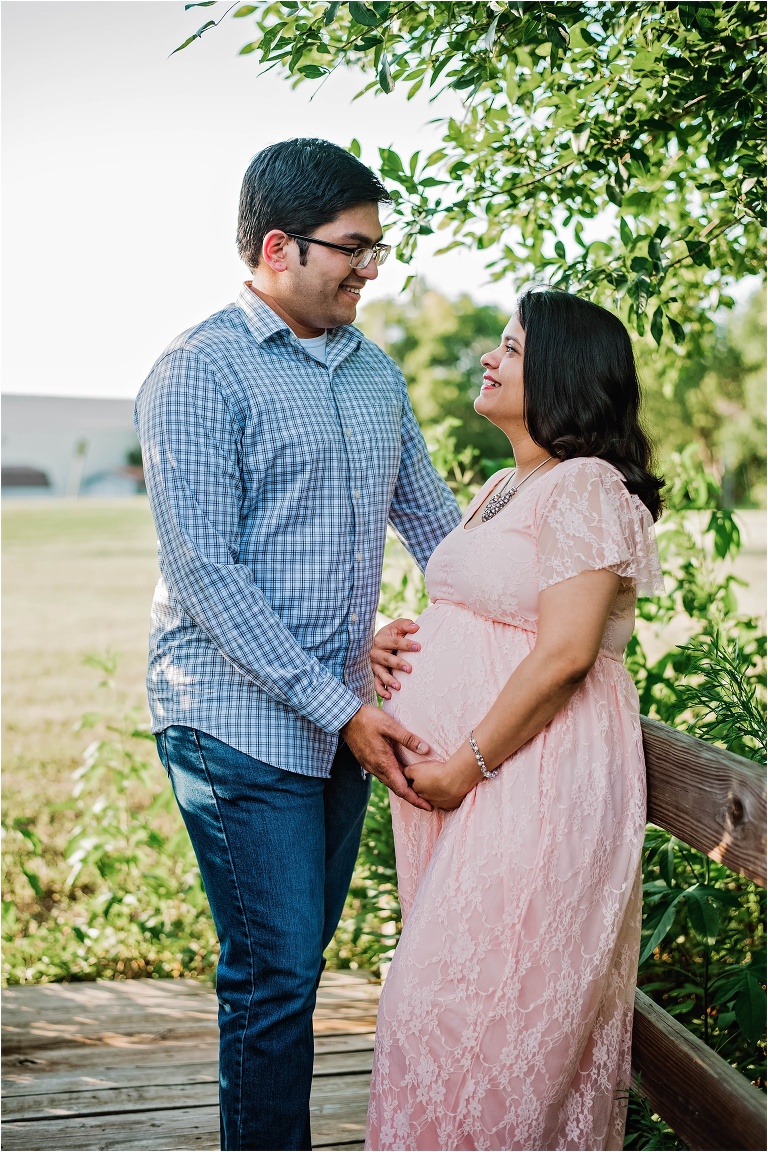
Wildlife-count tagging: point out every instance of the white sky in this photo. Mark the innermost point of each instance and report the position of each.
(121, 176)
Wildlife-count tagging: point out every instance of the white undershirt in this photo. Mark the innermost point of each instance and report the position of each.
(315, 346)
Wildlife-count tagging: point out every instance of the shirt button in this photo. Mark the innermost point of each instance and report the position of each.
(353, 617)
(347, 432)
(358, 555)
(356, 494)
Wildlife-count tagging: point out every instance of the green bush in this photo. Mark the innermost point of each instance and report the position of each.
(123, 897)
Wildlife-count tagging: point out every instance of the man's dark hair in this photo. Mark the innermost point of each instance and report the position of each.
(580, 387)
(298, 185)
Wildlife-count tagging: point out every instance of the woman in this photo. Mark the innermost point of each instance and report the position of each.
(505, 1020)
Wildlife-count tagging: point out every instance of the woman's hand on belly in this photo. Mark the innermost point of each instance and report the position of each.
(385, 657)
(444, 785)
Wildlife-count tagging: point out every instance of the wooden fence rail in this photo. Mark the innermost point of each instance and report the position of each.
(715, 802)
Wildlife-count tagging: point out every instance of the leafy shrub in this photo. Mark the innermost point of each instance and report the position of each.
(123, 896)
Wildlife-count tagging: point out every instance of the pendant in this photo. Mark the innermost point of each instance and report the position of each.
(496, 503)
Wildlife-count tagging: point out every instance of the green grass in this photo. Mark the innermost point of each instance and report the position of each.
(78, 578)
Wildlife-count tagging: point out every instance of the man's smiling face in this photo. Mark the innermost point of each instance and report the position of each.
(324, 292)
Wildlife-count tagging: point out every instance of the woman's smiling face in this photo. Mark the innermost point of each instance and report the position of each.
(502, 397)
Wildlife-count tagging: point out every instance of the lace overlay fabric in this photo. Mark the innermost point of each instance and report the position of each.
(505, 1020)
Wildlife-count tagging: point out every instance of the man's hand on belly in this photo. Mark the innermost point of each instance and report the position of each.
(373, 737)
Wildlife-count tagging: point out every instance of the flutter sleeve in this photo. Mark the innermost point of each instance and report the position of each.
(590, 522)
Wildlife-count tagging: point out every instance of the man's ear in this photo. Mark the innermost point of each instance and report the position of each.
(274, 250)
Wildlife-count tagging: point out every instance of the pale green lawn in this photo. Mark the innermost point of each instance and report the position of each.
(78, 578)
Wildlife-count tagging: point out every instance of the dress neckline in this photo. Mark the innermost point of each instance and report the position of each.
(501, 480)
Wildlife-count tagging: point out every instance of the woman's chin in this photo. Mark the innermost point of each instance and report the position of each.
(484, 407)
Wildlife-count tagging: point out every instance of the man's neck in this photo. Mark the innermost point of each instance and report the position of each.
(297, 327)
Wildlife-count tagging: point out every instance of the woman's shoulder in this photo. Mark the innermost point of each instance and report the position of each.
(589, 466)
(581, 474)
(589, 481)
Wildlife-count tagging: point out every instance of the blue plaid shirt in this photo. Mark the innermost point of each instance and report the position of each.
(271, 478)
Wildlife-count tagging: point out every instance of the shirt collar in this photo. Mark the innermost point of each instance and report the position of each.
(264, 323)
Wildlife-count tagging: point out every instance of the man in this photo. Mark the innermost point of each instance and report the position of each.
(277, 442)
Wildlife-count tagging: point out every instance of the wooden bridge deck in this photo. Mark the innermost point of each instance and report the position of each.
(132, 1064)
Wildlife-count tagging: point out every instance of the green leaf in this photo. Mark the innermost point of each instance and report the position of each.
(34, 882)
(196, 35)
(381, 8)
(200, 4)
(246, 10)
(313, 71)
(491, 34)
(667, 862)
(391, 160)
(677, 330)
(330, 13)
(662, 928)
(560, 249)
(613, 194)
(702, 916)
(354, 147)
(625, 232)
(386, 82)
(362, 15)
(750, 1007)
(186, 44)
(657, 324)
(727, 537)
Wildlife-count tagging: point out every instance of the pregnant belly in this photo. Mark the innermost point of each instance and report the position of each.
(464, 662)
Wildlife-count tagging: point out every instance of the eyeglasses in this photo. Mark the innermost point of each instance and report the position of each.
(358, 257)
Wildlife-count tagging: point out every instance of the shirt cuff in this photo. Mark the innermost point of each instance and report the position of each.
(332, 706)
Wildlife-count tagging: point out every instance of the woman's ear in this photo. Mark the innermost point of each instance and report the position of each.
(274, 250)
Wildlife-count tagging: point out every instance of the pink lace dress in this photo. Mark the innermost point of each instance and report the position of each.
(505, 1020)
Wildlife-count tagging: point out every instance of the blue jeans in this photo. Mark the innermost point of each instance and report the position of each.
(276, 852)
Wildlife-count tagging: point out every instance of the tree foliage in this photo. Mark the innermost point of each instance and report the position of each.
(616, 149)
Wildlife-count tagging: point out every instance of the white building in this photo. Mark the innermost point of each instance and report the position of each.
(68, 446)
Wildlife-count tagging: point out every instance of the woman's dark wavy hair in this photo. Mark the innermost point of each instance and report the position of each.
(582, 394)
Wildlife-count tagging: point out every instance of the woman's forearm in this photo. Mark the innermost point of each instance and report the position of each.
(535, 692)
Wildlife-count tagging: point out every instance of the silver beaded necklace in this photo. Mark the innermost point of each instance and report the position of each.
(500, 499)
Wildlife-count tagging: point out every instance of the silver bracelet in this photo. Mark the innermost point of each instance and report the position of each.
(489, 775)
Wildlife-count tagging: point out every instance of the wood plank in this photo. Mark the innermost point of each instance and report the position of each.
(122, 1099)
(157, 1132)
(21, 1073)
(187, 1128)
(713, 800)
(69, 1092)
(66, 1068)
(338, 1120)
(54, 1015)
(704, 1100)
(40, 1037)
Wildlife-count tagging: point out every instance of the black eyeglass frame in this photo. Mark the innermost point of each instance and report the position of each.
(378, 252)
